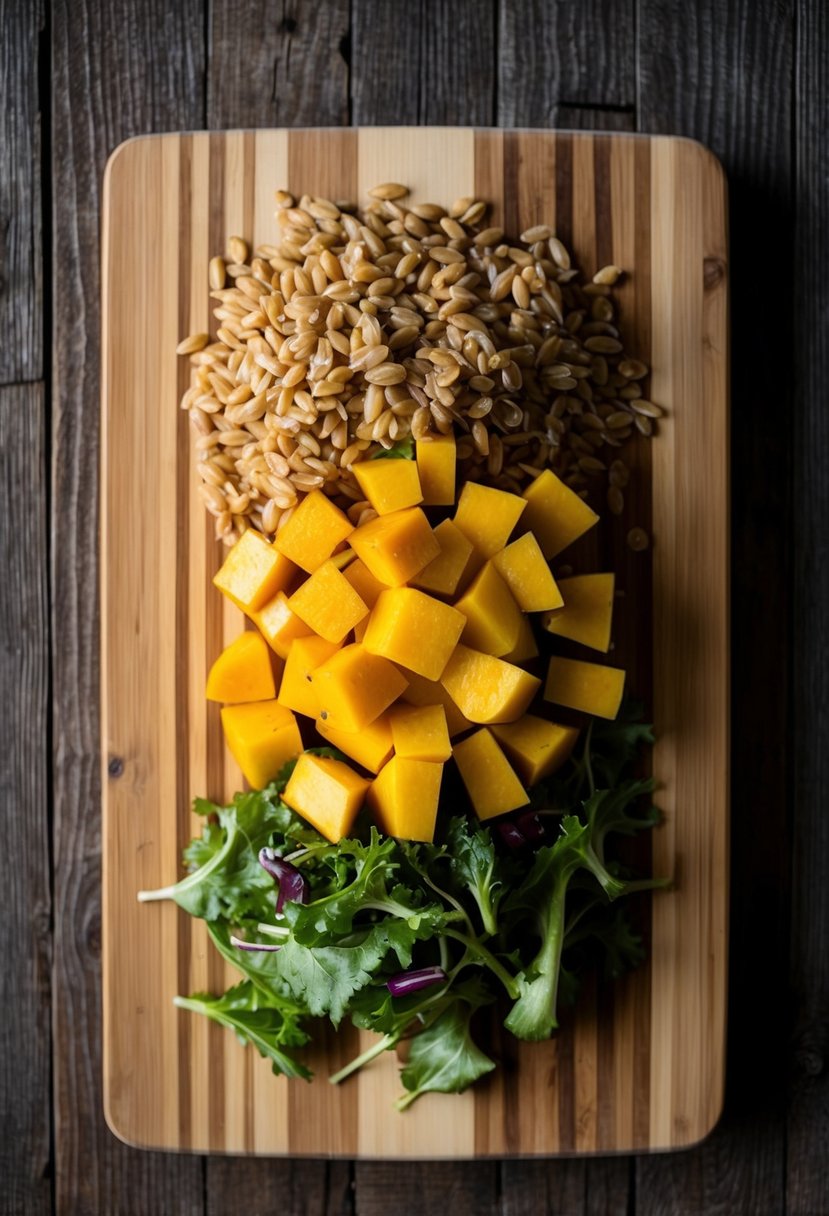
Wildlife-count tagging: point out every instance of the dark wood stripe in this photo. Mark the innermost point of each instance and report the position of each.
(566, 1085)
(489, 172)
(323, 162)
(184, 927)
(564, 188)
(605, 1083)
(601, 176)
(512, 159)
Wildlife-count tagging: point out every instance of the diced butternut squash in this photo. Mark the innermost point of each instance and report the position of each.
(242, 672)
(262, 737)
(404, 798)
(443, 575)
(420, 732)
(355, 686)
(431, 692)
(590, 687)
(436, 461)
(487, 516)
(363, 581)
(413, 629)
(313, 532)
(389, 484)
(328, 603)
(491, 782)
(396, 547)
(279, 624)
(555, 513)
(328, 793)
(536, 746)
(372, 746)
(493, 619)
(526, 647)
(524, 569)
(587, 613)
(253, 572)
(486, 689)
(297, 690)
(343, 558)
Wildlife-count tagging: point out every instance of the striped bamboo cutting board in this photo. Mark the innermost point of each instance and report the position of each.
(639, 1063)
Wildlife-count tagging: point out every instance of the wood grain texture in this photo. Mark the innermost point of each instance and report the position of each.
(701, 72)
(427, 62)
(21, 267)
(563, 55)
(25, 1133)
(198, 1089)
(119, 69)
(807, 1129)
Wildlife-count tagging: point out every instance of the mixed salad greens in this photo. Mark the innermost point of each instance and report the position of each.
(410, 940)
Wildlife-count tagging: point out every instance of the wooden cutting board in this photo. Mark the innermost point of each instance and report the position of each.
(639, 1064)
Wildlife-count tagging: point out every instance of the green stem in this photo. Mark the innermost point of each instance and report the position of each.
(274, 931)
(474, 946)
(383, 1044)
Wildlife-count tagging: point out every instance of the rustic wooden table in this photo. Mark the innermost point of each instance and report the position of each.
(750, 78)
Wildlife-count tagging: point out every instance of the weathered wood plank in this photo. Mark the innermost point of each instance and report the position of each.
(25, 1152)
(21, 352)
(807, 1138)
(553, 56)
(704, 71)
(278, 66)
(119, 69)
(594, 118)
(258, 1187)
(424, 62)
(412, 1188)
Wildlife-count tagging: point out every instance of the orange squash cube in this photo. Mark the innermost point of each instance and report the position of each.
(396, 547)
(253, 572)
(487, 516)
(404, 798)
(493, 619)
(420, 732)
(328, 793)
(243, 672)
(414, 630)
(536, 746)
(491, 782)
(587, 614)
(555, 514)
(389, 484)
(279, 624)
(526, 647)
(313, 532)
(589, 687)
(431, 692)
(363, 581)
(262, 737)
(296, 690)
(437, 463)
(524, 569)
(328, 603)
(355, 686)
(486, 689)
(371, 747)
(443, 575)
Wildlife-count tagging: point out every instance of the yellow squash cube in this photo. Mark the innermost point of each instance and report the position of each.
(243, 672)
(328, 793)
(420, 732)
(389, 484)
(279, 624)
(404, 798)
(396, 547)
(262, 737)
(297, 690)
(524, 569)
(587, 613)
(491, 782)
(253, 572)
(414, 630)
(443, 575)
(487, 516)
(431, 692)
(589, 687)
(493, 619)
(363, 581)
(555, 513)
(525, 648)
(536, 746)
(436, 462)
(486, 689)
(372, 746)
(313, 532)
(355, 686)
(328, 603)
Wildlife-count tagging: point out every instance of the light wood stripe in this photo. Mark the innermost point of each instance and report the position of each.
(638, 1064)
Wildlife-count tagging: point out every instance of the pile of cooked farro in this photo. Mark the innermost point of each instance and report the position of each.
(362, 328)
